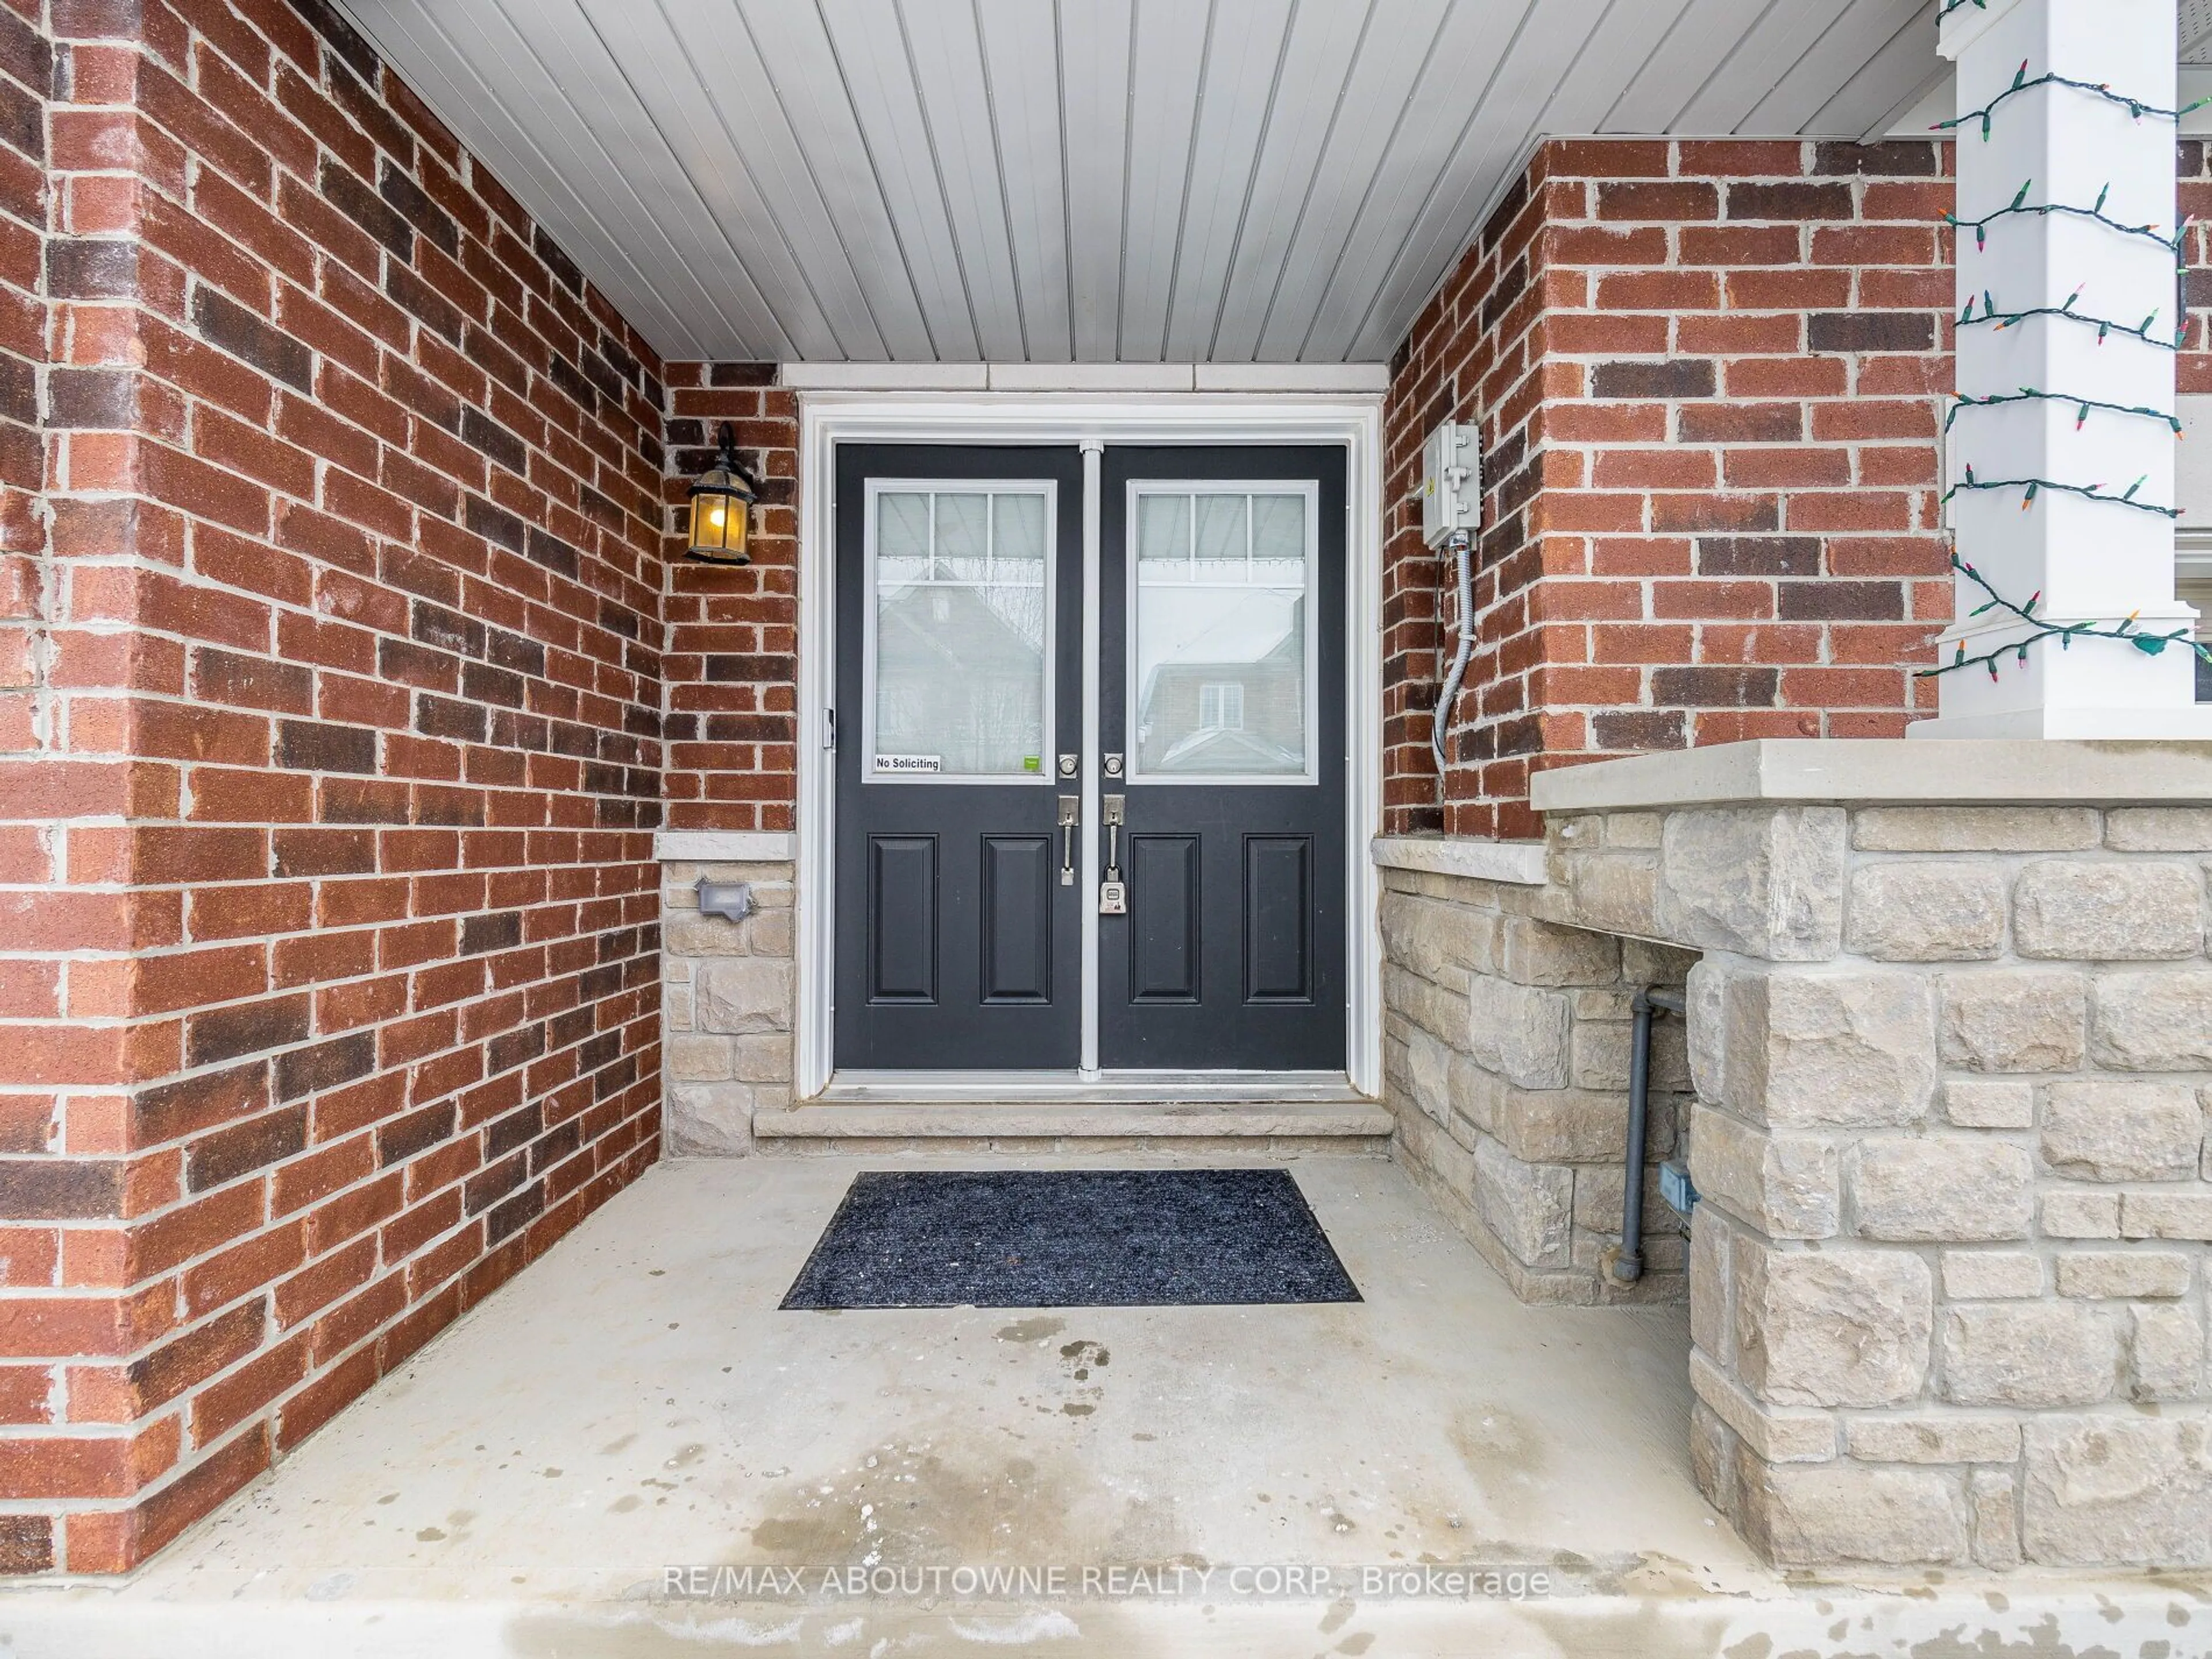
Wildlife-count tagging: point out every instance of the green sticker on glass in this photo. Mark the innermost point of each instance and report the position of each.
(1033, 762)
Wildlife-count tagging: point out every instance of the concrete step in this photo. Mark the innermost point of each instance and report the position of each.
(1346, 1122)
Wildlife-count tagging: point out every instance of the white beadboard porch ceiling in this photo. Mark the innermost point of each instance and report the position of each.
(1087, 180)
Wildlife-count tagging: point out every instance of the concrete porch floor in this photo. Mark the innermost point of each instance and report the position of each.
(636, 1402)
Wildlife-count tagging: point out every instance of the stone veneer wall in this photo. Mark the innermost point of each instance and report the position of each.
(1952, 1069)
(728, 992)
(1506, 1043)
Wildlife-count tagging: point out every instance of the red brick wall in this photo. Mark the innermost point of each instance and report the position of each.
(328, 985)
(1709, 379)
(732, 663)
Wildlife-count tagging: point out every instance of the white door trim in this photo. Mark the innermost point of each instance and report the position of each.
(827, 418)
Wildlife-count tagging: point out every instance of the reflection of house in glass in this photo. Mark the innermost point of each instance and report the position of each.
(1238, 709)
(959, 672)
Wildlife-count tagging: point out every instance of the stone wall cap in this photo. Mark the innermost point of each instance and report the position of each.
(1520, 862)
(724, 847)
(2021, 771)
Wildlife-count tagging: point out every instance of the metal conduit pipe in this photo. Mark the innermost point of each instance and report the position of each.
(1461, 545)
(1628, 1260)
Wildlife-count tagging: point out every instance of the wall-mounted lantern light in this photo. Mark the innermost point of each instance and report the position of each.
(721, 506)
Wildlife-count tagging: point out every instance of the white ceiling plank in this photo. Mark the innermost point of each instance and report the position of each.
(1788, 30)
(1021, 64)
(1810, 85)
(946, 57)
(793, 47)
(1510, 64)
(1094, 82)
(1168, 66)
(613, 129)
(1676, 71)
(1498, 132)
(485, 115)
(820, 305)
(1325, 38)
(1224, 181)
(877, 80)
(1398, 48)
(1236, 106)
(1617, 42)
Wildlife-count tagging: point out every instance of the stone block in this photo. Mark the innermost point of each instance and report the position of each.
(1774, 1435)
(1563, 1126)
(1613, 892)
(688, 933)
(1518, 1032)
(1812, 1047)
(1713, 1328)
(1530, 1207)
(2029, 1353)
(1706, 1002)
(2154, 1021)
(2109, 1491)
(1933, 1438)
(2076, 1214)
(1786, 1186)
(1935, 911)
(1428, 1073)
(1992, 1275)
(2158, 828)
(2072, 910)
(1760, 881)
(1832, 1328)
(2122, 1129)
(744, 994)
(1640, 830)
(1643, 962)
(710, 1119)
(2014, 1020)
(1713, 1457)
(1824, 1515)
(1541, 953)
(764, 1058)
(1993, 1500)
(1437, 940)
(691, 1058)
(2094, 1274)
(1974, 829)
(1988, 1104)
(2166, 1350)
(1948, 1189)
(2166, 1215)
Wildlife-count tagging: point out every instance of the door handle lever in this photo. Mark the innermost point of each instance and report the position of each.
(1113, 891)
(1071, 812)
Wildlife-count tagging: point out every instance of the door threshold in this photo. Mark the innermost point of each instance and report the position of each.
(1068, 1088)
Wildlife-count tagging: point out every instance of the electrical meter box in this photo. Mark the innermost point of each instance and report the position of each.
(1451, 482)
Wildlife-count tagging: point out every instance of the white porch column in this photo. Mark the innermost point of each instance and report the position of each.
(2086, 311)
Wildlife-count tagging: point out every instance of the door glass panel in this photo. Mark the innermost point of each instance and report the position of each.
(1221, 656)
(960, 631)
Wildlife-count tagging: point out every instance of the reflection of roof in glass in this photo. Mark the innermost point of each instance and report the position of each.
(1219, 749)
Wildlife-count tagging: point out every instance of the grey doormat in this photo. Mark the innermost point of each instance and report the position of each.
(1071, 1239)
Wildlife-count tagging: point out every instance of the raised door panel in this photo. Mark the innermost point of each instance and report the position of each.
(1164, 919)
(1017, 921)
(902, 918)
(1278, 917)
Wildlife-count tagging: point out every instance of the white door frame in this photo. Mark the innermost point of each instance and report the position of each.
(827, 418)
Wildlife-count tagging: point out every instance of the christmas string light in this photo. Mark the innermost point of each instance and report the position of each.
(2065, 633)
(2021, 205)
(2083, 405)
(2135, 107)
(2104, 325)
(1950, 6)
(2033, 487)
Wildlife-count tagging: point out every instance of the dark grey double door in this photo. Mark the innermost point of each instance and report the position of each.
(981, 704)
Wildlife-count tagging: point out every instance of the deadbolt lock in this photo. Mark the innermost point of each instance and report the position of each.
(1069, 763)
(1113, 766)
